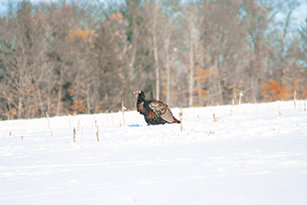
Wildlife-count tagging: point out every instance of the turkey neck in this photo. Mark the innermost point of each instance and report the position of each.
(141, 98)
(140, 103)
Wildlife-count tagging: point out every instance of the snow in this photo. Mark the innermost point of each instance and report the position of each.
(256, 155)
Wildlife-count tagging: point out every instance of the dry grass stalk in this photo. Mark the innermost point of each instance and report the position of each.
(123, 110)
(241, 94)
(215, 119)
(210, 133)
(49, 123)
(294, 96)
(279, 113)
(97, 132)
(74, 134)
(180, 117)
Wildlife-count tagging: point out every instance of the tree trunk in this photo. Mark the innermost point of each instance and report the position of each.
(156, 61)
(40, 101)
(191, 70)
(168, 80)
(255, 87)
(19, 107)
(60, 93)
(88, 99)
(218, 81)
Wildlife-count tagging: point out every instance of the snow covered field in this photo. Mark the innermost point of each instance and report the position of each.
(257, 155)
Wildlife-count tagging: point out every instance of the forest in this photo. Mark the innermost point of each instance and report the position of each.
(75, 57)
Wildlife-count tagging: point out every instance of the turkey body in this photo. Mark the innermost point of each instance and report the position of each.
(155, 112)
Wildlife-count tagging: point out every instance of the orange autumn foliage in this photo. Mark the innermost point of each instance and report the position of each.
(275, 90)
(87, 35)
(235, 88)
(116, 16)
(79, 106)
(99, 106)
(203, 74)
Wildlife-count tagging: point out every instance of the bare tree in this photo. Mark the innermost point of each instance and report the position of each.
(257, 18)
(86, 57)
(192, 21)
(25, 63)
(153, 15)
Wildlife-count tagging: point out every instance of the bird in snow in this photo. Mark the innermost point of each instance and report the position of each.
(155, 112)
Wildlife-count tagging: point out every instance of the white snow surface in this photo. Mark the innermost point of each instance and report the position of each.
(256, 155)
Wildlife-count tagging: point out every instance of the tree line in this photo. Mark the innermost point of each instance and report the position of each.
(89, 56)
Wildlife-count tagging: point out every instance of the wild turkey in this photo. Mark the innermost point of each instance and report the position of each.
(155, 112)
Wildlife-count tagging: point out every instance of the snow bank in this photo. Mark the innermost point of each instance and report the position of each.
(252, 154)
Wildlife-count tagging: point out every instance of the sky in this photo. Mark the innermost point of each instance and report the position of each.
(299, 14)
